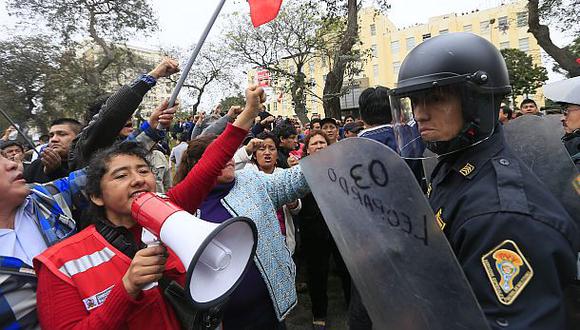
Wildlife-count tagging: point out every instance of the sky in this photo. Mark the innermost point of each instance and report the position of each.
(181, 22)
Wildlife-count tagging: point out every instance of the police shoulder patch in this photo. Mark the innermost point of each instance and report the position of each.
(508, 271)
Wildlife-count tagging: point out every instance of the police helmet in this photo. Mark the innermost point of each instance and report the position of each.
(461, 63)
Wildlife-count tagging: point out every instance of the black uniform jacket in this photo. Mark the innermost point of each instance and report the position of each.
(513, 239)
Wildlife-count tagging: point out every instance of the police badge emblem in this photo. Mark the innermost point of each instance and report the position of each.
(508, 271)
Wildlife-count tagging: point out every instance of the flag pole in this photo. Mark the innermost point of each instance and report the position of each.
(19, 131)
(195, 53)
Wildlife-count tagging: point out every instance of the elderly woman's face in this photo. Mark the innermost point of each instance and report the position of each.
(316, 143)
(267, 155)
(125, 178)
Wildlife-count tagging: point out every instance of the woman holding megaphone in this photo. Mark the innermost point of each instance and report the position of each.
(96, 279)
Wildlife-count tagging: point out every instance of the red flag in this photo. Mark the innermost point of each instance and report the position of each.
(263, 11)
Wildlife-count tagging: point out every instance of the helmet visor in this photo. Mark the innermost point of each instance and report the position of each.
(443, 119)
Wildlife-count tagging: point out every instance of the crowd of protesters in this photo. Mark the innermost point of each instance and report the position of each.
(71, 254)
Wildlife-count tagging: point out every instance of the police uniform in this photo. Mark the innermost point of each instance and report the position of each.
(513, 239)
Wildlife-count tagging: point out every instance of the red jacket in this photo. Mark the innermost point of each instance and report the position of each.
(94, 267)
(82, 300)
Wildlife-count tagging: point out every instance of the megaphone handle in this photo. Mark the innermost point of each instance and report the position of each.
(151, 240)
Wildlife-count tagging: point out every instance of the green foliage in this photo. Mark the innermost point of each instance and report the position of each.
(233, 100)
(115, 20)
(27, 64)
(50, 76)
(525, 76)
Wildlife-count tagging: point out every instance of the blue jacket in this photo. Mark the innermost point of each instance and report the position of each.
(52, 204)
(257, 195)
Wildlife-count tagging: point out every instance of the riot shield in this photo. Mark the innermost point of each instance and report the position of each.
(536, 140)
(386, 232)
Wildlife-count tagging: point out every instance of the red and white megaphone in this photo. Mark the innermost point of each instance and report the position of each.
(215, 255)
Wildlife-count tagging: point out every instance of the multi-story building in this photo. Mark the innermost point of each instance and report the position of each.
(505, 26)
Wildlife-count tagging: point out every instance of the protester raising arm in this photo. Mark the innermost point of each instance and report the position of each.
(63, 299)
(190, 192)
(104, 128)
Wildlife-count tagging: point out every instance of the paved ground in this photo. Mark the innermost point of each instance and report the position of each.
(301, 316)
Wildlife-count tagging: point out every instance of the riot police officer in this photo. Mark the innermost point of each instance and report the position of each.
(513, 239)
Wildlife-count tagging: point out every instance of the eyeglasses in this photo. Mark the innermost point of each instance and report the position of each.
(569, 107)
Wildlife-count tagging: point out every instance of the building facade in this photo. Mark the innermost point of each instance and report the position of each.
(505, 26)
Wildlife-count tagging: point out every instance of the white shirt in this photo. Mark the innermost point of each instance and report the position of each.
(177, 153)
(24, 241)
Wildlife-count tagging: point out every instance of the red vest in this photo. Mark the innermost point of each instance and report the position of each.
(93, 266)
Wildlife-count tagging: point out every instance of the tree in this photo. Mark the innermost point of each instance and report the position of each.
(563, 14)
(213, 65)
(292, 38)
(105, 22)
(343, 12)
(525, 76)
(27, 63)
(574, 48)
(238, 99)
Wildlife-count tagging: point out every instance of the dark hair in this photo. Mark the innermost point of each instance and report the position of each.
(507, 111)
(314, 121)
(268, 135)
(183, 137)
(350, 116)
(285, 131)
(72, 123)
(99, 165)
(528, 101)
(264, 136)
(374, 106)
(44, 137)
(11, 143)
(310, 135)
(192, 155)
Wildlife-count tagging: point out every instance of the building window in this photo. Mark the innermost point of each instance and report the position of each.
(522, 19)
(502, 23)
(350, 99)
(504, 45)
(484, 26)
(311, 68)
(524, 44)
(373, 30)
(375, 51)
(323, 61)
(410, 43)
(395, 47)
(444, 31)
(396, 67)
(376, 72)
(467, 28)
(426, 36)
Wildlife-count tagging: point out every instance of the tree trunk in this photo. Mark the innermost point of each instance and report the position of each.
(298, 95)
(562, 56)
(335, 78)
